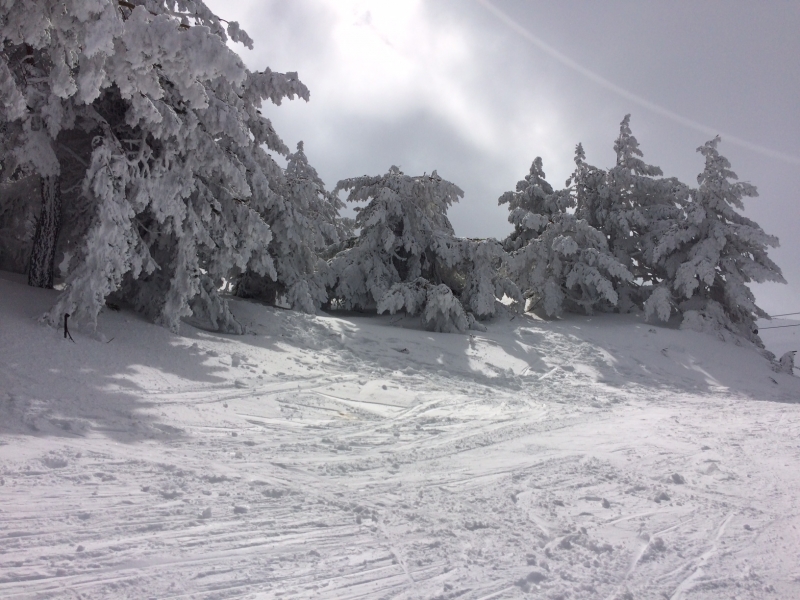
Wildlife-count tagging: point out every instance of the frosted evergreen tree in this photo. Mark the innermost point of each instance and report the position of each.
(176, 175)
(438, 307)
(560, 261)
(719, 251)
(590, 190)
(532, 206)
(474, 276)
(644, 205)
(400, 230)
(304, 219)
(404, 229)
(485, 270)
(406, 256)
(633, 206)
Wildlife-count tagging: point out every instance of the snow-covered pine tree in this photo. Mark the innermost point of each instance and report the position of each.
(304, 219)
(533, 196)
(475, 274)
(176, 176)
(405, 250)
(644, 205)
(440, 310)
(639, 204)
(404, 232)
(590, 190)
(559, 260)
(485, 271)
(717, 252)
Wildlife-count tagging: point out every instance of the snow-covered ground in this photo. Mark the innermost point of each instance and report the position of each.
(346, 457)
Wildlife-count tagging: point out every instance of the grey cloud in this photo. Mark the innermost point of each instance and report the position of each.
(729, 65)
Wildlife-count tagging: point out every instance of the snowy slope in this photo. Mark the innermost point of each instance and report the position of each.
(343, 457)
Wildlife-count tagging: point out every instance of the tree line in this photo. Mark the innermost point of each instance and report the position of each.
(136, 163)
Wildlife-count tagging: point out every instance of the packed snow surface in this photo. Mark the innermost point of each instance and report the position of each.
(344, 457)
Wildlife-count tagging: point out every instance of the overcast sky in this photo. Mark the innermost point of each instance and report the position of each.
(478, 88)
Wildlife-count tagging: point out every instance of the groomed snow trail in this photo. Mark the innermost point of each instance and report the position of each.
(344, 458)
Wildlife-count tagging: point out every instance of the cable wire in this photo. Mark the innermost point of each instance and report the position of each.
(658, 109)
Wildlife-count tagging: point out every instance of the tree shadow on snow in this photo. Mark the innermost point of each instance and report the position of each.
(377, 346)
(625, 350)
(50, 386)
(518, 352)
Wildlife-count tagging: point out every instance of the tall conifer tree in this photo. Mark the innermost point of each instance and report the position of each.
(718, 253)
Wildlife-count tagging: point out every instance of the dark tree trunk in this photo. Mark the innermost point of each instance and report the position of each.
(43, 254)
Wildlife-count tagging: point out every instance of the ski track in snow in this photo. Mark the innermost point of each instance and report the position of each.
(343, 458)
